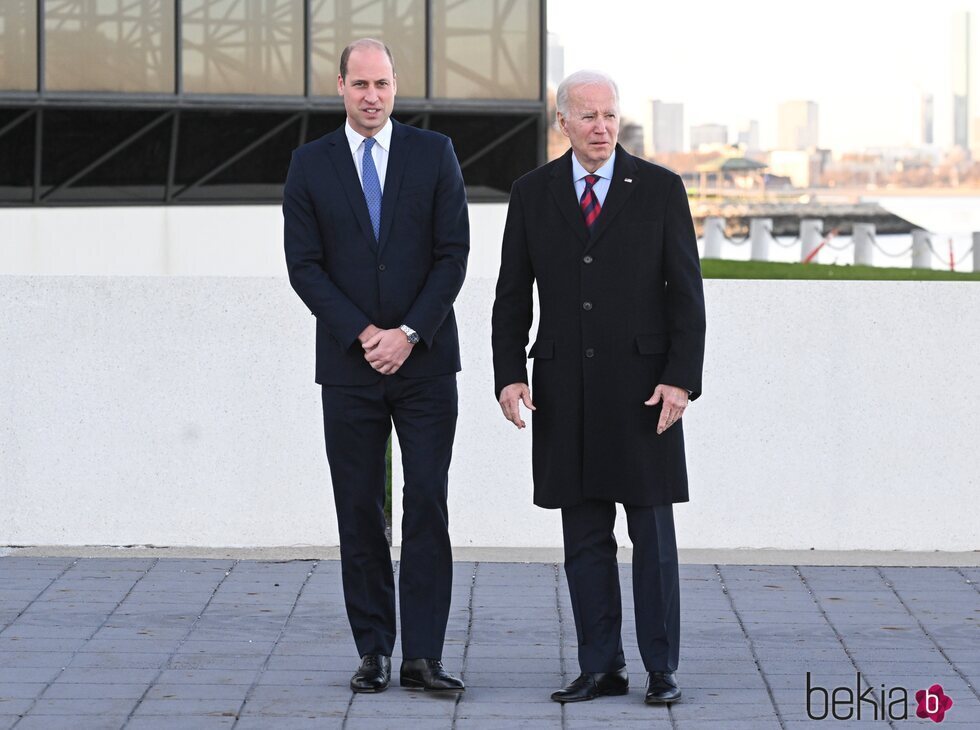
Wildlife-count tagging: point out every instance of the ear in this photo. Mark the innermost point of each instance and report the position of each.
(562, 125)
(340, 85)
(394, 83)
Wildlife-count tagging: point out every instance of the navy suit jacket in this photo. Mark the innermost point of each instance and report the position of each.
(349, 280)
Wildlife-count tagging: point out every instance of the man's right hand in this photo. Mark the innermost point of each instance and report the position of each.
(369, 332)
(510, 402)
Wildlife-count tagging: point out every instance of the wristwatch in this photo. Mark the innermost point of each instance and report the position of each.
(412, 335)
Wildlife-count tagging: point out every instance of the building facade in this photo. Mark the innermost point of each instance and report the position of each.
(668, 127)
(705, 135)
(962, 60)
(798, 126)
(190, 101)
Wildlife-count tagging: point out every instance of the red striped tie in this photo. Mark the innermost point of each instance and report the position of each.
(589, 202)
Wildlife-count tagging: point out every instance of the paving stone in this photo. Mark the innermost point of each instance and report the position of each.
(30, 676)
(16, 705)
(503, 723)
(221, 707)
(313, 722)
(73, 691)
(197, 692)
(79, 707)
(72, 722)
(297, 708)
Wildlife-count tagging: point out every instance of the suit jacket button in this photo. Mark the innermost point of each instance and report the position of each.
(587, 306)
(590, 352)
(381, 267)
(588, 260)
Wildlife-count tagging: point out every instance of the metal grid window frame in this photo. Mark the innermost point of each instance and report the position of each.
(522, 115)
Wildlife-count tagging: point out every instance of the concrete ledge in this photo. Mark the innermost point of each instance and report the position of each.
(934, 558)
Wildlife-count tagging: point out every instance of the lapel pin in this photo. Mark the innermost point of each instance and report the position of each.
(627, 179)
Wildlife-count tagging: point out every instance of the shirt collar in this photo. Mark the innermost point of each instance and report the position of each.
(606, 171)
(383, 137)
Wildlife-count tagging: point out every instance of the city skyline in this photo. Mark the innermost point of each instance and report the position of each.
(868, 66)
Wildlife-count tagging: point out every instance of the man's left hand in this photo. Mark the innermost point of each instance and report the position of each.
(675, 401)
(387, 350)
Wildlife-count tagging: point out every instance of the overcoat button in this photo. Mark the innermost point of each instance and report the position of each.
(590, 352)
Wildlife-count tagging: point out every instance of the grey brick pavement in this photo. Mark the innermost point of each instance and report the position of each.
(143, 643)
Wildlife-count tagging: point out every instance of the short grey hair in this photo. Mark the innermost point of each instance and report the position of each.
(582, 78)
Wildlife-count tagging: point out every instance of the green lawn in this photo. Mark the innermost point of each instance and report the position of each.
(719, 269)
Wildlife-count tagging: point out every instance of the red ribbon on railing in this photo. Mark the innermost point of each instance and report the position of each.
(813, 254)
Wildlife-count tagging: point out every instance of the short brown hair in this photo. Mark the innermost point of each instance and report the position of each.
(363, 43)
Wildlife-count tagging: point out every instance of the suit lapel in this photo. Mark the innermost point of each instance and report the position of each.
(563, 191)
(338, 150)
(619, 192)
(397, 157)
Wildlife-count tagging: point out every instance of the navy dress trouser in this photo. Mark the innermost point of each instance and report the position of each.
(357, 422)
(593, 584)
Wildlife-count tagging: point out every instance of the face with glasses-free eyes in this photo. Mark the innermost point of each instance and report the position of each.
(368, 90)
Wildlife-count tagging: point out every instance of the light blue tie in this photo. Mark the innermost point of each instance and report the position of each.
(372, 186)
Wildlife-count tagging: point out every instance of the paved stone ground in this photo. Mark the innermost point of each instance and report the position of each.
(180, 643)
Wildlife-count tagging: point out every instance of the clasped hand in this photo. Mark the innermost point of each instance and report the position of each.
(385, 350)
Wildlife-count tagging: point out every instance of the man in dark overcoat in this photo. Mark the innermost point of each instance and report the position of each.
(609, 241)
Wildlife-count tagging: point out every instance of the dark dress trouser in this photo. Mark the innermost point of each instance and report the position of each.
(356, 423)
(593, 584)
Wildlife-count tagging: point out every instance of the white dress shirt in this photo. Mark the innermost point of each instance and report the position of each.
(601, 187)
(379, 152)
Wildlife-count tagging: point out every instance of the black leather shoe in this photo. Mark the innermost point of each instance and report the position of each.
(428, 674)
(373, 675)
(590, 685)
(662, 689)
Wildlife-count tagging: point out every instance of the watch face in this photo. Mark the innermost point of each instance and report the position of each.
(413, 338)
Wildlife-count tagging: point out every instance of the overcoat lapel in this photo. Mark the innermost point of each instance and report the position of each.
(338, 150)
(563, 191)
(620, 191)
(397, 157)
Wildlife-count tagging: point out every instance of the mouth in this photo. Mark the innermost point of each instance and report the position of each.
(372, 110)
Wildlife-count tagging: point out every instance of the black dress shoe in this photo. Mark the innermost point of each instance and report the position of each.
(662, 689)
(590, 685)
(428, 674)
(373, 675)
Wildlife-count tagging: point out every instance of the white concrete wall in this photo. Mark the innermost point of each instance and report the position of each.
(180, 410)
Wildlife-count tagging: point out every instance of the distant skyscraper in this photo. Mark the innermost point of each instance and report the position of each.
(668, 127)
(961, 79)
(631, 137)
(927, 118)
(556, 60)
(748, 135)
(708, 134)
(798, 125)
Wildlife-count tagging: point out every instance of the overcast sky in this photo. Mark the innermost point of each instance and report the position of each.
(865, 62)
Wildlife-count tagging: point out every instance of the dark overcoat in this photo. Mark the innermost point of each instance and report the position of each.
(621, 310)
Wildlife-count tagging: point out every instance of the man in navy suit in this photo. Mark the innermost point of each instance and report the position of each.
(376, 240)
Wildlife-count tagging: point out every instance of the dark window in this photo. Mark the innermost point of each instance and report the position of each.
(16, 155)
